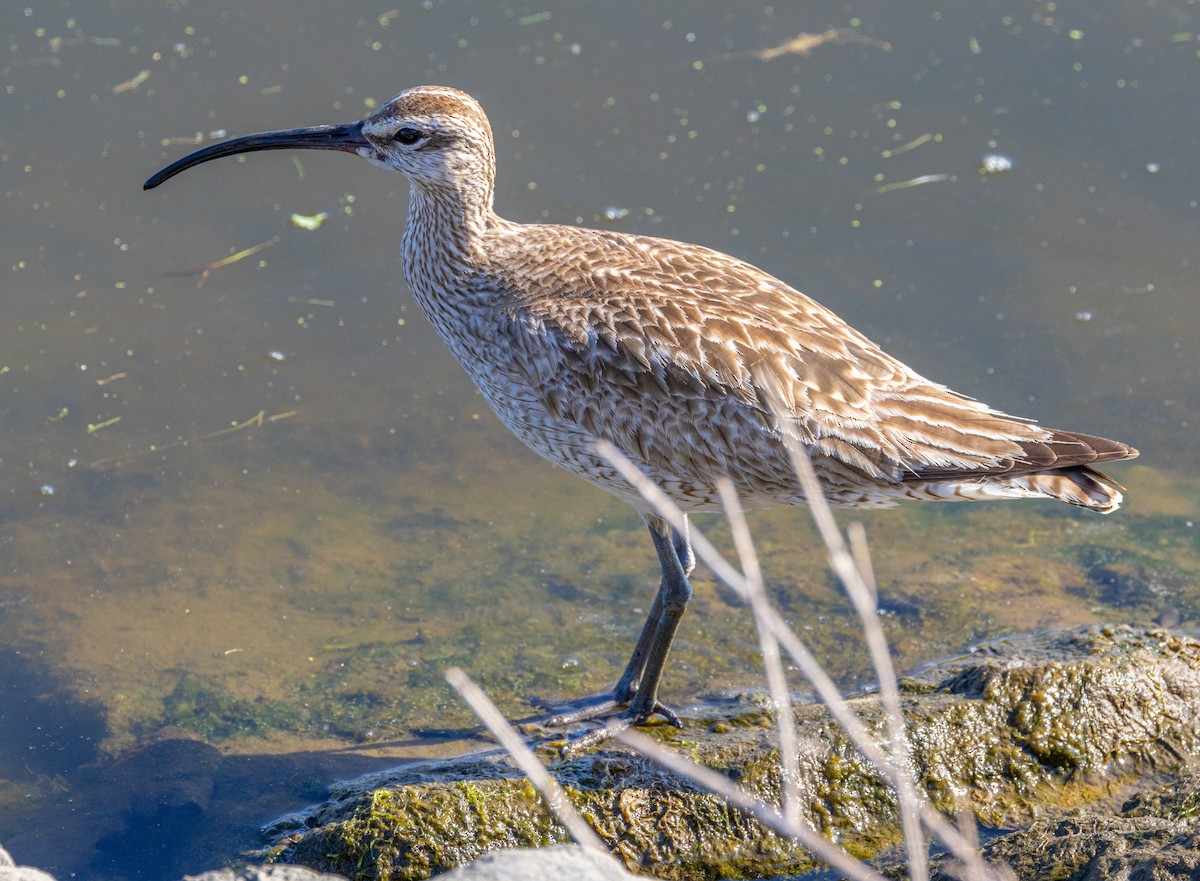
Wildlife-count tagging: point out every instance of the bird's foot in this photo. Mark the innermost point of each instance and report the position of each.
(607, 709)
(564, 714)
(631, 717)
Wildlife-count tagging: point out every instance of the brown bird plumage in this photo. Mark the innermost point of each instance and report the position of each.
(672, 353)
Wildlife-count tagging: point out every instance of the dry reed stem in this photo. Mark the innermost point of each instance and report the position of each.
(862, 597)
(853, 567)
(914, 810)
(785, 722)
(817, 844)
(825, 687)
(524, 758)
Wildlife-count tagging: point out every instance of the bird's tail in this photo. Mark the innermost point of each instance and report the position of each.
(1059, 467)
(1080, 485)
(1070, 477)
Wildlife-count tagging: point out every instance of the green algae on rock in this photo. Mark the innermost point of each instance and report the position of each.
(1018, 729)
(1151, 835)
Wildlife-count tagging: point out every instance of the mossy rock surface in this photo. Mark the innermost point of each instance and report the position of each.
(1022, 729)
(1153, 836)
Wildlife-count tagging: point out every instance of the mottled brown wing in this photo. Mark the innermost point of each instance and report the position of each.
(679, 332)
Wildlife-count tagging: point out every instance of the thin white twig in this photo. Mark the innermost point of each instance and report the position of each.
(820, 846)
(825, 687)
(857, 535)
(524, 758)
(899, 775)
(785, 722)
(861, 597)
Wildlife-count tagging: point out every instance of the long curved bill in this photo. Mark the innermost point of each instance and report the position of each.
(347, 137)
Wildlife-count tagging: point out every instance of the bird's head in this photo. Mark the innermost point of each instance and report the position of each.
(439, 137)
(436, 136)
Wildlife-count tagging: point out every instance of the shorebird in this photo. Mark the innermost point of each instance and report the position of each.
(673, 353)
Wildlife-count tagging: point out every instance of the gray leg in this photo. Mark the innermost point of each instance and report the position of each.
(637, 689)
(647, 645)
(674, 556)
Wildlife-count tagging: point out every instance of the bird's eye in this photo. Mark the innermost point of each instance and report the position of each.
(409, 136)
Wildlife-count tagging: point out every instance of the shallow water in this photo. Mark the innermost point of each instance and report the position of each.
(247, 614)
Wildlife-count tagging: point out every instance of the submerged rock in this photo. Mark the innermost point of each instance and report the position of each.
(10, 871)
(1018, 730)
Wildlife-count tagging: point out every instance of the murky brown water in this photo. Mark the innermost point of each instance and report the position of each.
(291, 588)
